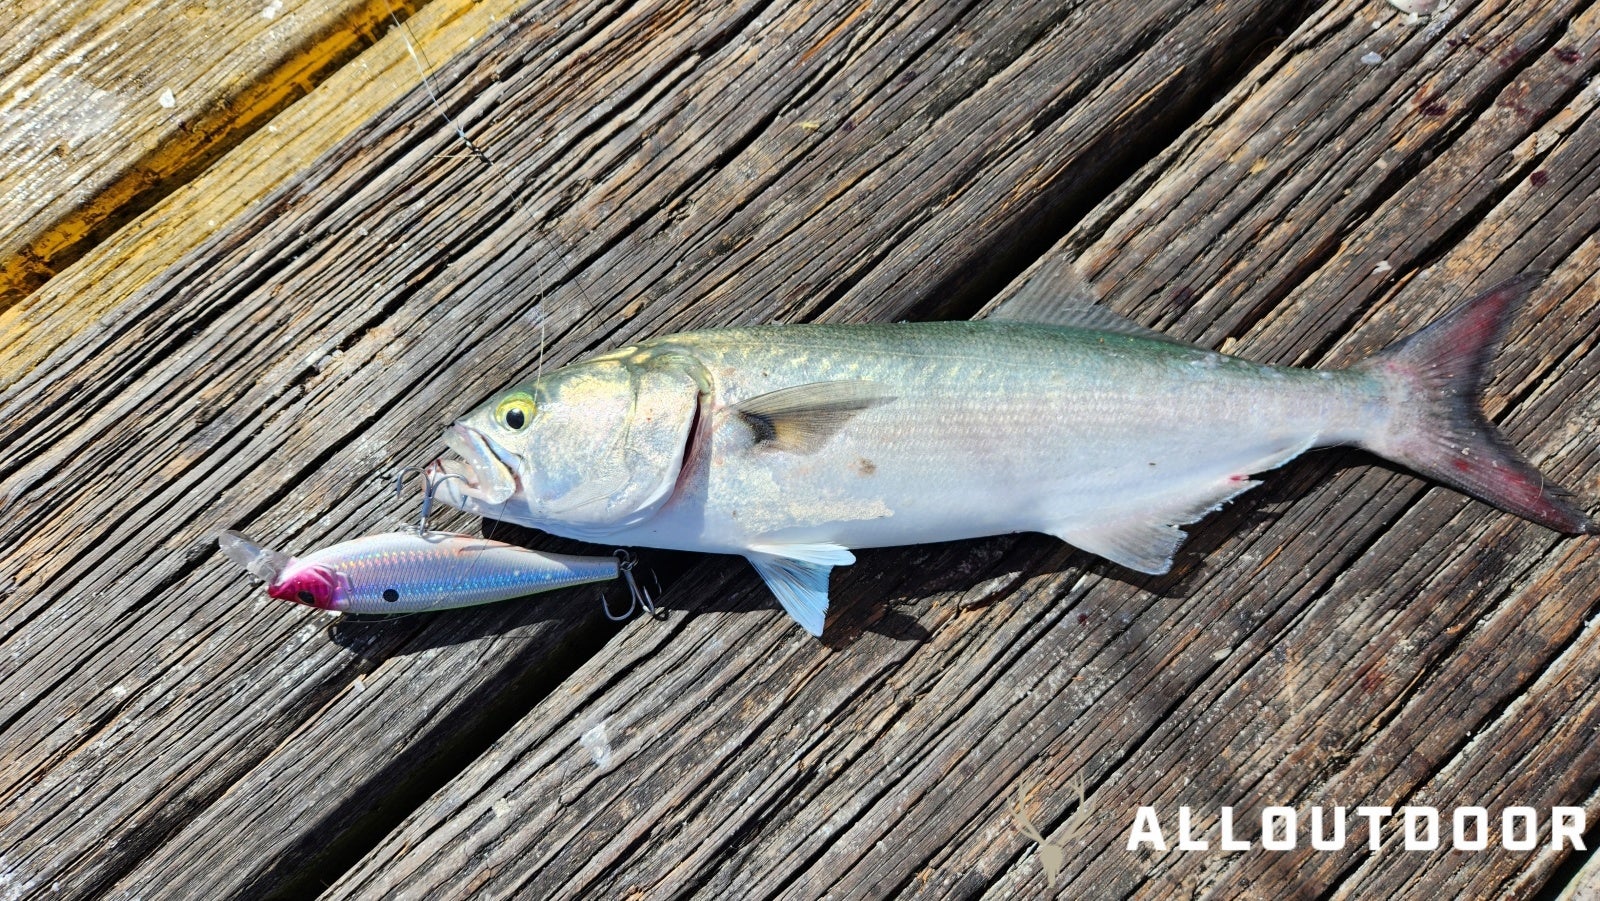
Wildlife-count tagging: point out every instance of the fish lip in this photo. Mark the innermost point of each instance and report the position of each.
(483, 476)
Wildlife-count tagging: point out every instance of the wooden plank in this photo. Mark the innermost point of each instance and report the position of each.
(106, 105)
(1344, 636)
(145, 152)
(1586, 885)
(654, 165)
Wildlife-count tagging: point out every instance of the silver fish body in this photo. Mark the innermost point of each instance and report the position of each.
(408, 572)
(792, 444)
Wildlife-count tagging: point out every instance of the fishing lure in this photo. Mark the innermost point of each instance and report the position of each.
(407, 572)
(419, 570)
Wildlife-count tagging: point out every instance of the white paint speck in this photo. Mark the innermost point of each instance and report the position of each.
(598, 745)
(1370, 58)
(501, 808)
(272, 10)
(1382, 267)
(168, 99)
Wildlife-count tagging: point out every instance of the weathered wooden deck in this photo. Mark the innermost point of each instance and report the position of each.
(246, 302)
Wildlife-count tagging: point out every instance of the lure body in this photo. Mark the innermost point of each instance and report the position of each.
(407, 572)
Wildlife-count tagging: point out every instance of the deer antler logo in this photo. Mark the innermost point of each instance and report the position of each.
(1052, 856)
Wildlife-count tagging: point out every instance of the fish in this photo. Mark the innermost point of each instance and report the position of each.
(412, 571)
(793, 444)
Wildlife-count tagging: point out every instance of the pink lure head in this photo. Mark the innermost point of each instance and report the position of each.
(286, 578)
(314, 586)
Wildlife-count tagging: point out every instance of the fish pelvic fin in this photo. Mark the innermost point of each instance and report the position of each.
(1434, 381)
(798, 576)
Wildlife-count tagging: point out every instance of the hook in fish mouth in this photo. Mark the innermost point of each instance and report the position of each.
(482, 475)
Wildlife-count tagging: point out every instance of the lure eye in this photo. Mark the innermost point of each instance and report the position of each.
(515, 412)
(314, 586)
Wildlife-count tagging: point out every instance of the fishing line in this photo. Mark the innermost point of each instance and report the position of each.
(424, 69)
(638, 596)
(420, 60)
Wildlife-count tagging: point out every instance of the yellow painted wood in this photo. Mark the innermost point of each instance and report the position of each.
(106, 105)
(33, 325)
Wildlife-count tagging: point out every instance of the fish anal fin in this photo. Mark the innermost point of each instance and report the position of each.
(1145, 540)
(1141, 546)
(801, 419)
(798, 576)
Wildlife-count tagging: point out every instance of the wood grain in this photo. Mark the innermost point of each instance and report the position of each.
(1345, 634)
(1314, 650)
(272, 379)
(62, 206)
(106, 106)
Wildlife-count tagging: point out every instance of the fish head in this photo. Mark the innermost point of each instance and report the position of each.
(311, 585)
(582, 451)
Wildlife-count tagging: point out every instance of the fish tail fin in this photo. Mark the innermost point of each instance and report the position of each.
(1434, 379)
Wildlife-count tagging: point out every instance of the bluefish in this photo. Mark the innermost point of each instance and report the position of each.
(792, 444)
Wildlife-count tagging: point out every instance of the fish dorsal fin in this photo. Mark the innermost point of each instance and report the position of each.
(803, 418)
(1056, 294)
(798, 576)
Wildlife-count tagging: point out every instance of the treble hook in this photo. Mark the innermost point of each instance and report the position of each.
(637, 596)
(430, 485)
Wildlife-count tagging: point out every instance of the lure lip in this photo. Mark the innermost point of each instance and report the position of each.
(287, 579)
(264, 563)
(487, 478)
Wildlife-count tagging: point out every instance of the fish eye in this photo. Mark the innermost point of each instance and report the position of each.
(307, 597)
(515, 412)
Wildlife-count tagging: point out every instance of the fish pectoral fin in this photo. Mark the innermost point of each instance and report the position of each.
(1146, 541)
(803, 418)
(798, 576)
(1056, 294)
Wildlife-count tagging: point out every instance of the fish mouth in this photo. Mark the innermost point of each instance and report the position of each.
(480, 474)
